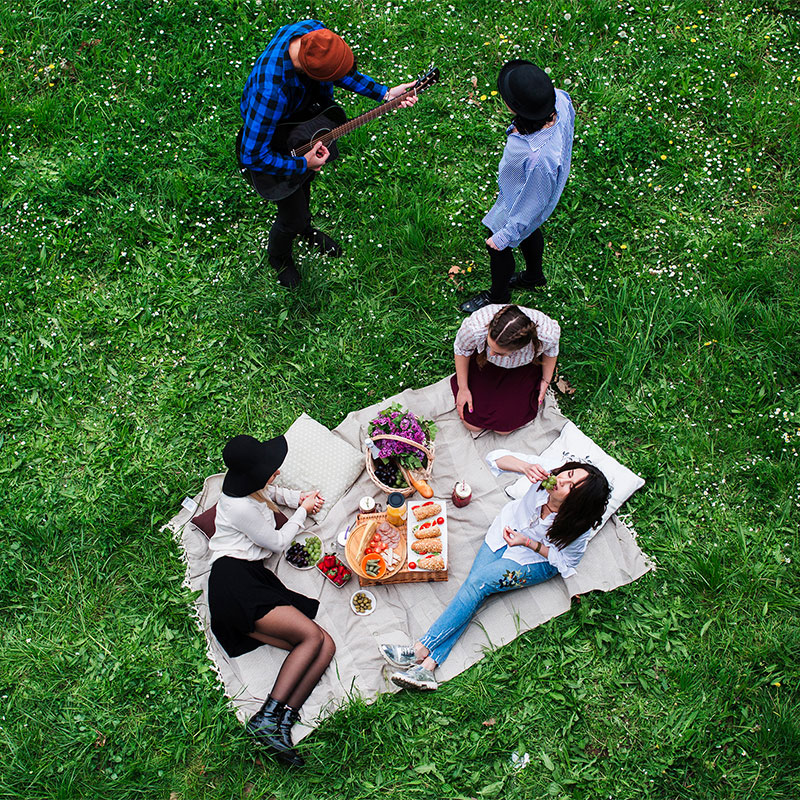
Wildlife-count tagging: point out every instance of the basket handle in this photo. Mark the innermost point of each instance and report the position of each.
(394, 438)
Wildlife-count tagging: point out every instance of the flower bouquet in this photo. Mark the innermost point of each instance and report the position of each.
(409, 442)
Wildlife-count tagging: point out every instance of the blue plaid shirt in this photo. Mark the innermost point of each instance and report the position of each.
(533, 172)
(274, 91)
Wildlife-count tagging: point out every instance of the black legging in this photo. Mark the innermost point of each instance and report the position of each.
(502, 265)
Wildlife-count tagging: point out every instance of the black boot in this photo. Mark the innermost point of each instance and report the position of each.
(322, 243)
(289, 717)
(264, 727)
(525, 281)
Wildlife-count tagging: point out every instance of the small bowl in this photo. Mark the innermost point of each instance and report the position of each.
(302, 539)
(373, 557)
(371, 598)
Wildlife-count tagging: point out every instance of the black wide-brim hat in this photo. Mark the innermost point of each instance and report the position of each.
(527, 90)
(251, 463)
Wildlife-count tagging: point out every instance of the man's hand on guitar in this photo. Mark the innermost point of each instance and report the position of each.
(396, 91)
(316, 158)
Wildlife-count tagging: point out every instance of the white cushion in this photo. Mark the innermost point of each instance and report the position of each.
(319, 459)
(573, 445)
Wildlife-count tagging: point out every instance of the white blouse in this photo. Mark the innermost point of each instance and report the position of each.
(471, 337)
(524, 515)
(246, 528)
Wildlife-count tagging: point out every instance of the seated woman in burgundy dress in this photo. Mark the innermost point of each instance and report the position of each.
(505, 359)
(248, 604)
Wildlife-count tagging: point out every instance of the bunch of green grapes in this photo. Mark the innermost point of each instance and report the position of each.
(549, 482)
(313, 547)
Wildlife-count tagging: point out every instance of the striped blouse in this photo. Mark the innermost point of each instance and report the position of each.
(471, 336)
(533, 172)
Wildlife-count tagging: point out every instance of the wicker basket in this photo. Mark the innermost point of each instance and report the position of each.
(422, 474)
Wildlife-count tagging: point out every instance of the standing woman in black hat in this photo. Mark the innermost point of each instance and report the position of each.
(533, 172)
(249, 605)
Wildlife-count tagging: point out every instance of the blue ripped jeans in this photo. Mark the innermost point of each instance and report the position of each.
(490, 573)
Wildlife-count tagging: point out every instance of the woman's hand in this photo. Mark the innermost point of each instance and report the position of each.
(515, 538)
(463, 398)
(542, 391)
(490, 243)
(312, 502)
(533, 472)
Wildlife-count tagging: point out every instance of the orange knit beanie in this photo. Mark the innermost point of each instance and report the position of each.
(324, 56)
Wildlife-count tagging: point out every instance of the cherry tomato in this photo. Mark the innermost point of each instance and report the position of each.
(440, 521)
(412, 564)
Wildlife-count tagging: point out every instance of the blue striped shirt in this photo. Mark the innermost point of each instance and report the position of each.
(533, 172)
(274, 91)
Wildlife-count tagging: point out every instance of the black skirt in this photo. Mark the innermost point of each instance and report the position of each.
(241, 592)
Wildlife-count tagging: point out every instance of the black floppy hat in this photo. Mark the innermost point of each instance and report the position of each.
(250, 463)
(527, 90)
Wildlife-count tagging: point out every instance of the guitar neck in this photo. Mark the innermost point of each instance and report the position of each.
(352, 124)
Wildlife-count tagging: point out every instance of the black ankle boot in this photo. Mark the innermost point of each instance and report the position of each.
(264, 727)
(322, 243)
(289, 717)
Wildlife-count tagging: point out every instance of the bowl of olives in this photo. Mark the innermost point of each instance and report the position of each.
(362, 603)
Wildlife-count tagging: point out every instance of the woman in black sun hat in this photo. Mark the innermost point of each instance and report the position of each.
(248, 604)
(532, 174)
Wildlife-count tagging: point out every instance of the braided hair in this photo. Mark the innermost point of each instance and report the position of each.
(511, 329)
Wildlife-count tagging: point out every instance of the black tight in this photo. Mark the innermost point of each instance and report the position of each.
(310, 651)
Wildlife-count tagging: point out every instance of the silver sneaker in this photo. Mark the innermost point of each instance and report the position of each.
(416, 677)
(398, 655)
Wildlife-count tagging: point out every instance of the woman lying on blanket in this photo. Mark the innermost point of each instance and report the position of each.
(505, 358)
(532, 539)
(249, 606)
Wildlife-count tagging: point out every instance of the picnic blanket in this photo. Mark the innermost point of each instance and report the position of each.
(404, 611)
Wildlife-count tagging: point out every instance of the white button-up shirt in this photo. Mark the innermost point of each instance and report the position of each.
(246, 528)
(525, 516)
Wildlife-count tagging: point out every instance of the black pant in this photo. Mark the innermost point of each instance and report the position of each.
(294, 218)
(502, 265)
(294, 215)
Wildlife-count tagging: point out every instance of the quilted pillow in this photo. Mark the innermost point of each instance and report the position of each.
(319, 459)
(573, 445)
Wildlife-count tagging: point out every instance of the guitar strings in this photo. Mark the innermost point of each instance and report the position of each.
(352, 124)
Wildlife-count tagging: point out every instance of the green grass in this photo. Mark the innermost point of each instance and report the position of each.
(142, 327)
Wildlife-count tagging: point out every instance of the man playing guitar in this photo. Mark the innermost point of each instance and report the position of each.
(298, 69)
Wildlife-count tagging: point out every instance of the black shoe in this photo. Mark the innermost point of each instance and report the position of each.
(519, 281)
(287, 721)
(479, 301)
(322, 243)
(288, 275)
(264, 727)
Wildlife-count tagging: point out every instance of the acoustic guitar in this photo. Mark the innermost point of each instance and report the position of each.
(320, 124)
